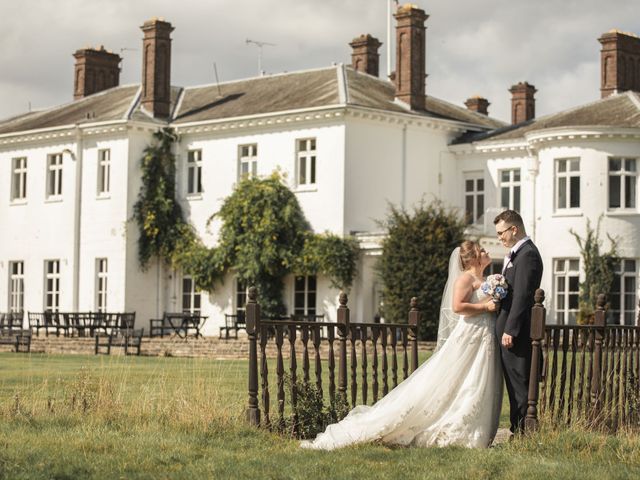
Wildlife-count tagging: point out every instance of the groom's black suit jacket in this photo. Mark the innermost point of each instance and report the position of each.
(523, 278)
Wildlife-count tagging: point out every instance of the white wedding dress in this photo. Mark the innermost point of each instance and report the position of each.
(453, 398)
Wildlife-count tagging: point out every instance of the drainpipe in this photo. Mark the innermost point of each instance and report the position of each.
(534, 169)
(404, 166)
(77, 157)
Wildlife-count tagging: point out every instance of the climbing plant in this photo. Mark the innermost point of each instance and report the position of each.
(159, 217)
(598, 270)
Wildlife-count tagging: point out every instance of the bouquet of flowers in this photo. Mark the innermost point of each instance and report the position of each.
(495, 286)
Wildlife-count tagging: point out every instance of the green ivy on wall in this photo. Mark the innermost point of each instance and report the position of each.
(598, 270)
(264, 236)
(159, 216)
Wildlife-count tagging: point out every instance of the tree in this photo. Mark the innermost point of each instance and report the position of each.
(264, 237)
(415, 261)
(598, 270)
(263, 232)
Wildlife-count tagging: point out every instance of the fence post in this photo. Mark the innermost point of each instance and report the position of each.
(596, 375)
(343, 330)
(252, 314)
(538, 314)
(414, 324)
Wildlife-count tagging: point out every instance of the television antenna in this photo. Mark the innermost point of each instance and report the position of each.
(259, 45)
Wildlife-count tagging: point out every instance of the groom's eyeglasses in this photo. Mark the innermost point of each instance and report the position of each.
(505, 230)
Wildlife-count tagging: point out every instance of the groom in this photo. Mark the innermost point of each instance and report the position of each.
(522, 270)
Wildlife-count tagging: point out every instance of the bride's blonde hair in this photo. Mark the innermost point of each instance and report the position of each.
(469, 252)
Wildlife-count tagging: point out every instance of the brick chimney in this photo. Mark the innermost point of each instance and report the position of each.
(619, 63)
(478, 104)
(156, 67)
(365, 57)
(523, 105)
(96, 69)
(410, 56)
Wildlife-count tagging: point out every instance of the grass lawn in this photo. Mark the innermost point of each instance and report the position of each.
(115, 417)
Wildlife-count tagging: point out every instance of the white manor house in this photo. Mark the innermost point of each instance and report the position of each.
(349, 143)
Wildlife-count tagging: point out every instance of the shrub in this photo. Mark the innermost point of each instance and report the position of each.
(415, 261)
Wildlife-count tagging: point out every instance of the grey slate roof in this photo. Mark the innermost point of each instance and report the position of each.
(621, 110)
(111, 104)
(261, 95)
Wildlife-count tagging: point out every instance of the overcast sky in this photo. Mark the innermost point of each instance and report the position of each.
(474, 47)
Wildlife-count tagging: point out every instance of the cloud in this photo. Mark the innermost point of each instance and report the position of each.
(473, 47)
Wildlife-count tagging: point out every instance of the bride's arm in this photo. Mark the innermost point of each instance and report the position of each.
(462, 291)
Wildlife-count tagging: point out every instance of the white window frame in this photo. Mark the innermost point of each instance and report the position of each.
(626, 270)
(306, 162)
(18, 179)
(194, 172)
(563, 180)
(191, 298)
(16, 286)
(247, 160)
(566, 269)
(511, 185)
(628, 180)
(104, 171)
(308, 295)
(51, 295)
(54, 175)
(476, 193)
(102, 274)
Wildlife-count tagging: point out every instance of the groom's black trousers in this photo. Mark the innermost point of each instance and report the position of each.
(516, 363)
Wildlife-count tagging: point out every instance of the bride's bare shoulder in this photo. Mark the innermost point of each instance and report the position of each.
(464, 281)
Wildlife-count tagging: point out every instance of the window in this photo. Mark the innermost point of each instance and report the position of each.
(567, 183)
(241, 295)
(622, 182)
(104, 171)
(52, 285)
(101, 285)
(566, 276)
(16, 286)
(248, 161)
(307, 161)
(194, 172)
(473, 199)
(510, 189)
(304, 295)
(622, 297)
(191, 300)
(54, 175)
(19, 180)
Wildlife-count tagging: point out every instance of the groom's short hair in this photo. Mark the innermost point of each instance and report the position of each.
(510, 217)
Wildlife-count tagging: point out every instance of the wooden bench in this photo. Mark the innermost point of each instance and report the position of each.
(233, 323)
(19, 339)
(128, 339)
(182, 324)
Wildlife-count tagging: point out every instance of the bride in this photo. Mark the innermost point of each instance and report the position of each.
(453, 398)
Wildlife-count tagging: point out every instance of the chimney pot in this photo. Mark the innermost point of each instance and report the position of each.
(410, 56)
(619, 62)
(95, 70)
(523, 105)
(364, 55)
(478, 104)
(156, 67)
